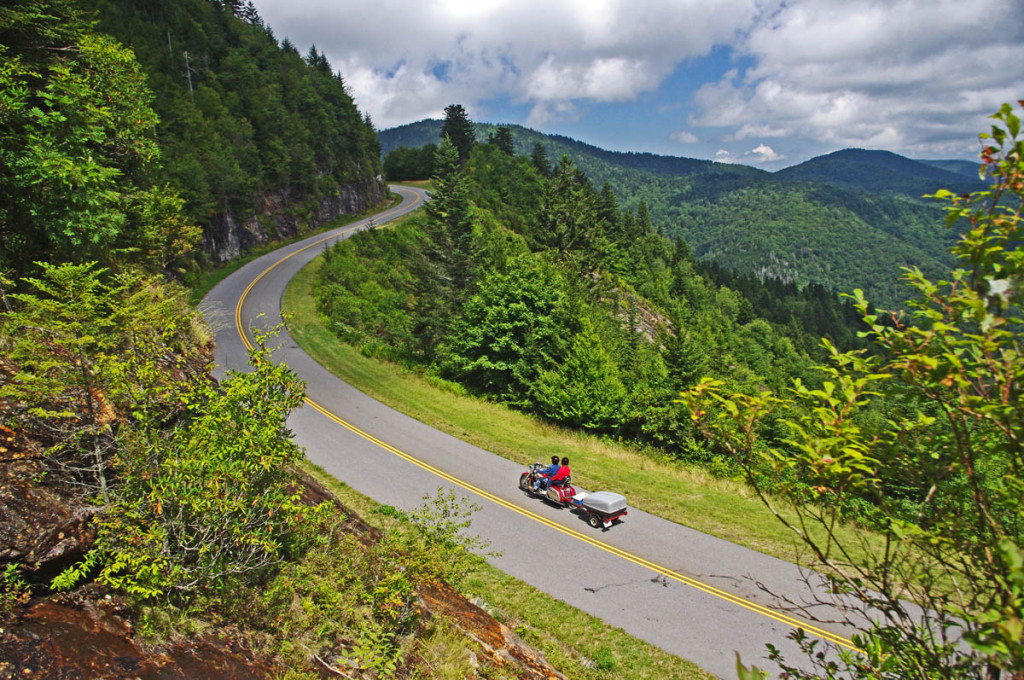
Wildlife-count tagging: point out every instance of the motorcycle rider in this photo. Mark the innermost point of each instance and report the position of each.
(557, 479)
(547, 472)
(561, 477)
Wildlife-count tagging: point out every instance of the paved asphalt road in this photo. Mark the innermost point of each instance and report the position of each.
(693, 595)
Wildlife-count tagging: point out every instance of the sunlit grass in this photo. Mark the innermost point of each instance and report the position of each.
(668, 488)
(581, 646)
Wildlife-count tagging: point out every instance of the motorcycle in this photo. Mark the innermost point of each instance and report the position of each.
(557, 494)
(602, 508)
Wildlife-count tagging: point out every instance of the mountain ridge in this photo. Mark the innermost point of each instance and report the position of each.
(428, 130)
(879, 171)
(846, 220)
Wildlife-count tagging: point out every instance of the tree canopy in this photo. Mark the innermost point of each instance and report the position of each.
(929, 431)
(459, 130)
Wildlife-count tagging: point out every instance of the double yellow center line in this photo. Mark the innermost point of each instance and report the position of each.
(618, 552)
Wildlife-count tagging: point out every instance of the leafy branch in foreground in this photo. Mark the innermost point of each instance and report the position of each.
(211, 501)
(931, 434)
(83, 351)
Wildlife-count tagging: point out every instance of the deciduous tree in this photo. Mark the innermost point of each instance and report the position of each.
(949, 376)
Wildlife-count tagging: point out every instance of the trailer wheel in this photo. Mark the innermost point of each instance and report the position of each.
(595, 521)
(524, 481)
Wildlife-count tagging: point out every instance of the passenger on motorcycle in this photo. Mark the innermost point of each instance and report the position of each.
(543, 475)
(557, 479)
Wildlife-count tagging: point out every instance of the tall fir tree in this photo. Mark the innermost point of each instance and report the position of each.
(459, 129)
(502, 138)
(539, 157)
(447, 269)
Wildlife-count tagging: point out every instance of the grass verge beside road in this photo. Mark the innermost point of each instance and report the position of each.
(684, 494)
(580, 645)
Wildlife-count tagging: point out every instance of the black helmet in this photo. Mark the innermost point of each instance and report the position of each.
(565, 461)
(554, 460)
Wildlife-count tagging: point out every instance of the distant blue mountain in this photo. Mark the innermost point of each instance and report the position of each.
(880, 172)
(965, 168)
(590, 158)
(849, 219)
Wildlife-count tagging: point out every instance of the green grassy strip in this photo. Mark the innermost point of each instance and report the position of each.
(684, 494)
(580, 645)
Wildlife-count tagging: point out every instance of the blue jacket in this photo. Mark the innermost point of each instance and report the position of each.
(550, 470)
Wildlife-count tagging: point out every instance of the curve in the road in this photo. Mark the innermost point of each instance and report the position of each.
(618, 552)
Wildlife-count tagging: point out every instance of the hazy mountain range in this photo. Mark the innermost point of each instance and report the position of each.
(849, 219)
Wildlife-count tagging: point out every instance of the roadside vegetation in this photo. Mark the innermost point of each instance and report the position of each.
(129, 476)
(523, 300)
(652, 480)
(206, 278)
(943, 470)
(578, 644)
(542, 296)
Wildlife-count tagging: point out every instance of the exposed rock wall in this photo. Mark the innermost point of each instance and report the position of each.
(283, 213)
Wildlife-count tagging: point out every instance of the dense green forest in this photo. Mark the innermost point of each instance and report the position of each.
(926, 435)
(526, 284)
(849, 220)
(128, 476)
(249, 130)
(920, 439)
(883, 172)
(252, 139)
(532, 280)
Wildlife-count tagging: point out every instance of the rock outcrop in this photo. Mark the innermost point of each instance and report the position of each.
(284, 213)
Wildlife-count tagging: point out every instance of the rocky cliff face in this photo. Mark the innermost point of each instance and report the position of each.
(284, 213)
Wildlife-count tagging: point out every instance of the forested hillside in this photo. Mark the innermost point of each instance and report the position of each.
(582, 308)
(922, 443)
(880, 172)
(154, 521)
(849, 220)
(526, 284)
(260, 141)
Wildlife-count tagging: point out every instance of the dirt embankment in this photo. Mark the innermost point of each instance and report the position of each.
(90, 633)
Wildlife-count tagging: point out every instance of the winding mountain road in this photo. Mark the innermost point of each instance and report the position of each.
(691, 594)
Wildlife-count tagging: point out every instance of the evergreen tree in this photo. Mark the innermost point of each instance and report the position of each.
(77, 144)
(447, 268)
(509, 330)
(450, 216)
(459, 129)
(318, 60)
(608, 211)
(539, 156)
(258, 120)
(585, 389)
(502, 138)
(569, 213)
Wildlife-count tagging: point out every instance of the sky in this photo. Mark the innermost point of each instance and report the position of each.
(768, 83)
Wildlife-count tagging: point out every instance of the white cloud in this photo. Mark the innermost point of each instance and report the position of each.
(550, 54)
(763, 153)
(683, 137)
(914, 76)
(911, 76)
(546, 112)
